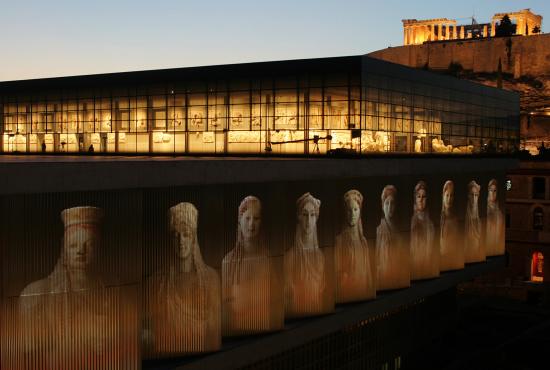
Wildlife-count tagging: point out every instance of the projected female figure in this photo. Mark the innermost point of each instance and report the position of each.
(183, 310)
(424, 253)
(474, 251)
(451, 247)
(306, 290)
(354, 267)
(70, 319)
(494, 230)
(392, 255)
(252, 295)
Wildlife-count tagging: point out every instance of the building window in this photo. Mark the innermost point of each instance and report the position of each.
(539, 187)
(537, 267)
(538, 219)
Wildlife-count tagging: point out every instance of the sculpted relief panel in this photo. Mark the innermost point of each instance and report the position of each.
(392, 252)
(308, 283)
(354, 260)
(71, 317)
(252, 294)
(183, 312)
(252, 262)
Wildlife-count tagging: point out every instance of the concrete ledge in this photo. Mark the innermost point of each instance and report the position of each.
(35, 174)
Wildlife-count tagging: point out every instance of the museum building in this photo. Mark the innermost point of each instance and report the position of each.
(310, 106)
(248, 246)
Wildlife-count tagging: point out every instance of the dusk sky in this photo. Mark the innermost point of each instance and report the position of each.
(61, 38)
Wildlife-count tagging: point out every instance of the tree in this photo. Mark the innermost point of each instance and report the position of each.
(536, 30)
(505, 27)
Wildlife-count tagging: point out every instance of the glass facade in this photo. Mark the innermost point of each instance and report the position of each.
(355, 104)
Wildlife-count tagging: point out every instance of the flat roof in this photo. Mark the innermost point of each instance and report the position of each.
(255, 70)
(239, 70)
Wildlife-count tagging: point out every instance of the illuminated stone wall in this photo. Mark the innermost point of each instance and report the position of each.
(520, 56)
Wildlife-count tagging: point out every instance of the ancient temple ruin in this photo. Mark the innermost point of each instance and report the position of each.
(440, 29)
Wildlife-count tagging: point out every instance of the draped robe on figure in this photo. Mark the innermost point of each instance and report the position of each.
(354, 268)
(424, 253)
(392, 257)
(65, 328)
(252, 293)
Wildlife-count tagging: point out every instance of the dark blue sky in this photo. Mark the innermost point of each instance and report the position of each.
(67, 37)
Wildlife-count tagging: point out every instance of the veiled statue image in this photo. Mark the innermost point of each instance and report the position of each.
(451, 245)
(252, 293)
(355, 270)
(474, 248)
(73, 302)
(494, 227)
(424, 252)
(183, 308)
(308, 289)
(392, 254)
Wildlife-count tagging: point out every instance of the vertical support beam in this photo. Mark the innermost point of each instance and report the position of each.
(485, 31)
(455, 32)
(426, 33)
(493, 28)
(461, 32)
(1, 126)
(520, 27)
(439, 32)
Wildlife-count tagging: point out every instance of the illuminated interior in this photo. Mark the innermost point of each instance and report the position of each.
(342, 106)
(537, 267)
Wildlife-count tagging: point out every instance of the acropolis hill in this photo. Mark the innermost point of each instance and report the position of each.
(475, 53)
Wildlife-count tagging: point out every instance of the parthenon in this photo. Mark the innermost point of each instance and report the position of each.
(439, 29)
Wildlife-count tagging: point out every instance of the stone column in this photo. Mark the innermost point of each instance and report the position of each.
(428, 33)
(485, 31)
(520, 28)
(461, 32)
(405, 31)
(455, 32)
(493, 29)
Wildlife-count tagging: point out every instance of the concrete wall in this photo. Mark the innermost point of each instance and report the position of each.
(519, 55)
